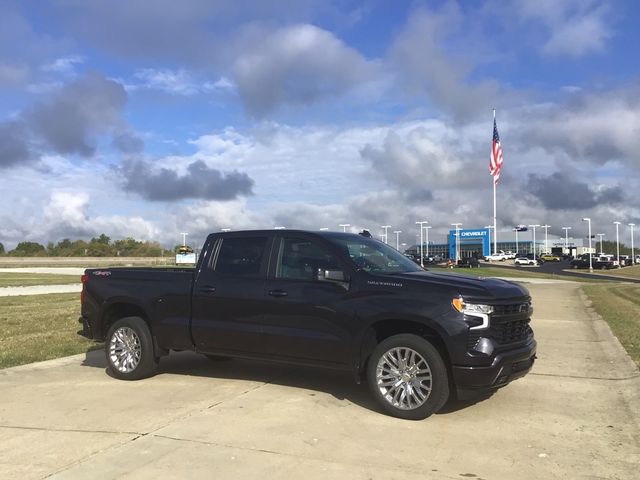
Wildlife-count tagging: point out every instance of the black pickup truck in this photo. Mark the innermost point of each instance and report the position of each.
(329, 299)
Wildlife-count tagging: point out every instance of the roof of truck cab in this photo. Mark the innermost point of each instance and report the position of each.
(320, 233)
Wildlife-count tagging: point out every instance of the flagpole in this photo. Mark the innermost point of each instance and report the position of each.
(495, 223)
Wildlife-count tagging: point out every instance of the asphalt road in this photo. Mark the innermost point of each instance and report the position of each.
(560, 269)
(576, 415)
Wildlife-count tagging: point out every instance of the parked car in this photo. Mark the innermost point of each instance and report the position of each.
(527, 259)
(625, 260)
(601, 262)
(496, 257)
(470, 262)
(550, 257)
(330, 299)
(605, 262)
(580, 262)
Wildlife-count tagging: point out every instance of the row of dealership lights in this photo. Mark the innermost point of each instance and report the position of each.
(424, 229)
(617, 224)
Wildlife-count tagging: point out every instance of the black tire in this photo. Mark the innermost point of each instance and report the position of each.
(129, 349)
(439, 380)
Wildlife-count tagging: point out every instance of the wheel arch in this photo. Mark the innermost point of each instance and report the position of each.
(382, 329)
(121, 308)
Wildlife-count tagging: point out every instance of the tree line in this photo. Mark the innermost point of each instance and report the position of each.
(100, 246)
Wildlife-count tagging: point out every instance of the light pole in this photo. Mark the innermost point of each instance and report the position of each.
(600, 235)
(617, 224)
(566, 237)
(184, 238)
(489, 227)
(225, 229)
(421, 241)
(588, 220)
(516, 230)
(457, 239)
(344, 226)
(386, 228)
(324, 229)
(534, 239)
(426, 231)
(633, 253)
(546, 237)
(279, 228)
(397, 232)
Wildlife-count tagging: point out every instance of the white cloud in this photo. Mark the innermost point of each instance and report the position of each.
(67, 208)
(297, 65)
(176, 82)
(221, 84)
(578, 36)
(64, 65)
(67, 213)
(322, 175)
(590, 127)
(575, 27)
(426, 67)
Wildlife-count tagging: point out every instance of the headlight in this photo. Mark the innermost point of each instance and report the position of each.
(476, 314)
(471, 308)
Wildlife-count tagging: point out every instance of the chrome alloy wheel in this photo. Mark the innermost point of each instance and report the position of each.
(404, 378)
(125, 350)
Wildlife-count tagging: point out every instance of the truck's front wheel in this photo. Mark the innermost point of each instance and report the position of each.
(407, 377)
(129, 349)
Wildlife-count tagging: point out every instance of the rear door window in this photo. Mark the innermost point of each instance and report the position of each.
(241, 256)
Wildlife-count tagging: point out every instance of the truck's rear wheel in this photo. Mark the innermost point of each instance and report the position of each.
(407, 377)
(129, 349)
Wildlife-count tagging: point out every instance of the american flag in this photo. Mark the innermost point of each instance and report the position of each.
(495, 161)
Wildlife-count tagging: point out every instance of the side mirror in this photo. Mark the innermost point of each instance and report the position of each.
(333, 276)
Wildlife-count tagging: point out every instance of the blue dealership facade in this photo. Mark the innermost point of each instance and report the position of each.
(474, 241)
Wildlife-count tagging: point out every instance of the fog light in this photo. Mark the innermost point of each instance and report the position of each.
(484, 345)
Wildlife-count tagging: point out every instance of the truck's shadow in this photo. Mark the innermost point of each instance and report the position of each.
(340, 385)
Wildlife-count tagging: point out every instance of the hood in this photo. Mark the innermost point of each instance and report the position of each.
(480, 287)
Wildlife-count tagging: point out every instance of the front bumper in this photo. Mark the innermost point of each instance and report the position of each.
(505, 368)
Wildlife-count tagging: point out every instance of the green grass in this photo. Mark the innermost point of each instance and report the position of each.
(626, 272)
(619, 305)
(11, 279)
(86, 262)
(40, 327)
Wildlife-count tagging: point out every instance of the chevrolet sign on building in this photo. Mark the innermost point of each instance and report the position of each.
(471, 241)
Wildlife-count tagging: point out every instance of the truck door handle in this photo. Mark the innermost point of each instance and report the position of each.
(278, 293)
(207, 289)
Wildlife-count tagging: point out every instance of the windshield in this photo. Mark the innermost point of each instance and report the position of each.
(376, 257)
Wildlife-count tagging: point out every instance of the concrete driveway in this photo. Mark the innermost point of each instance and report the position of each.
(576, 416)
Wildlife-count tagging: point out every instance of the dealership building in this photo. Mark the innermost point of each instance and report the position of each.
(479, 242)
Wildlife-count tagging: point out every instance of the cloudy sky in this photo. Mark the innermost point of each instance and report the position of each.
(146, 119)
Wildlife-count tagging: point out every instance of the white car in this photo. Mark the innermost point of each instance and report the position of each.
(496, 257)
(524, 261)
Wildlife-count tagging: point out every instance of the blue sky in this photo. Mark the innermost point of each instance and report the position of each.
(147, 119)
